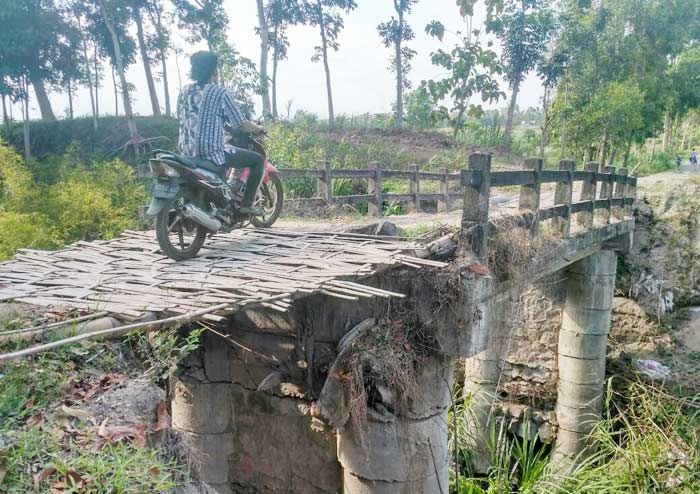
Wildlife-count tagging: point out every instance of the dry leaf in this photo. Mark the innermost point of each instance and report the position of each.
(101, 431)
(479, 269)
(42, 476)
(36, 420)
(76, 412)
(154, 471)
(163, 418)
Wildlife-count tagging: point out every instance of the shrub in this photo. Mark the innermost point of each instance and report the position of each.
(53, 138)
(84, 202)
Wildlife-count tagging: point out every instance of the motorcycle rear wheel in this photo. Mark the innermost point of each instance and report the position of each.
(271, 200)
(169, 223)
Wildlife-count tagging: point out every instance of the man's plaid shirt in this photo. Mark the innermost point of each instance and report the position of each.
(203, 110)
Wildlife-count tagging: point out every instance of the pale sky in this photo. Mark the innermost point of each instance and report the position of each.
(362, 81)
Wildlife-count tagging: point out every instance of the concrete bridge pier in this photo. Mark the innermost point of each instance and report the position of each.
(582, 347)
(403, 453)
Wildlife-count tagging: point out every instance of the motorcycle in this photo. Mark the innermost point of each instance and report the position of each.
(193, 198)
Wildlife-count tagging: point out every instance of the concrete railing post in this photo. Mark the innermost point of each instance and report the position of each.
(620, 186)
(374, 188)
(588, 193)
(444, 203)
(530, 194)
(325, 183)
(581, 355)
(606, 194)
(563, 196)
(414, 188)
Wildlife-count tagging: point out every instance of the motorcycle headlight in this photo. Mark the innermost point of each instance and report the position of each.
(159, 169)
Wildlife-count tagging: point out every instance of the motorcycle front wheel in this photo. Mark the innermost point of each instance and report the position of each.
(270, 200)
(179, 238)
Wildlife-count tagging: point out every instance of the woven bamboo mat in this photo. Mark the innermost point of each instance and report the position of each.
(128, 276)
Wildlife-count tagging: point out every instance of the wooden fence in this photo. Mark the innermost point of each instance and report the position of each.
(374, 175)
(614, 196)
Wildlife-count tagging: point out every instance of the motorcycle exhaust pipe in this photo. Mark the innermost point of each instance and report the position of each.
(192, 212)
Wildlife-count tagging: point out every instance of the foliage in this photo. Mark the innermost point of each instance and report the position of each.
(85, 202)
(471, 71)
(163, 350)
(33, 388)
(54, 138)
(420, 109)
(606, 45)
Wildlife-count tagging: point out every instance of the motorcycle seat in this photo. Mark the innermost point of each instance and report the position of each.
(193, 162)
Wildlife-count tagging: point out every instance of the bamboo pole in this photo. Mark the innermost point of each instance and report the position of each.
(142, 326)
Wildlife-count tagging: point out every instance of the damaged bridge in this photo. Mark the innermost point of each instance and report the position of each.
(329, 359)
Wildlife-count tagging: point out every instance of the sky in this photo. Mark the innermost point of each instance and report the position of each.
(362, 81)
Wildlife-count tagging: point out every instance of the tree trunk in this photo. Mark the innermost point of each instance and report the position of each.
(324, 49)
(155, 106)
(684, 139)
(667, 132)
(25, 123)
(275, 62)
(613, 155)
(508, 131)
(97, 85)
(399, 69)
(264, 46)
(133, 131)
(116, 93)
(5, 117)
(43, 99)
(88, 73)
(601, 151)
(626, 158)
(399, 82)
(69, 90)
(166, 88)
(545, 122)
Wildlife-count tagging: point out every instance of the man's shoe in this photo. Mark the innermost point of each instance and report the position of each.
(251, 211)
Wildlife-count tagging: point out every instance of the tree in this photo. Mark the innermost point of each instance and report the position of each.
(524, 28)
(161, 44)
(394, 33)
(325, 14)
(136, 12)
(108, 14)
(264, 48)
(471, 71)
(280, 15)
(626, 41)
(684, 89)
(32, 40)
(204, 19)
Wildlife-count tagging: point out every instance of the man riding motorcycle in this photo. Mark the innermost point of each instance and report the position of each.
(203, 108)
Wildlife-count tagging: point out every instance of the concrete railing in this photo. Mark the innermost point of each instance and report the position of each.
(616, 194)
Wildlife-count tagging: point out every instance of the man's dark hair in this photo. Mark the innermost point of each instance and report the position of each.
(204, 65)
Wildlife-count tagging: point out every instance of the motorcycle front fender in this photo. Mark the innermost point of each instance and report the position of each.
(157, 205)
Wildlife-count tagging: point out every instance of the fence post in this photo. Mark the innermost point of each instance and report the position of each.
(325, 184)
(588, 193)
(563, 196)
(475, 212)
(630, 193)
(606, 193)
(414, 187)
(444, 203)
(374, 188)
(620, 185)
(530, 194)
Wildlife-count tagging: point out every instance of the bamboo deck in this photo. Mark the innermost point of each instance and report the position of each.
(128, 277)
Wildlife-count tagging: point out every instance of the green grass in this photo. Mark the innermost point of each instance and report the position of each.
(648, 442)
(37, 386)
